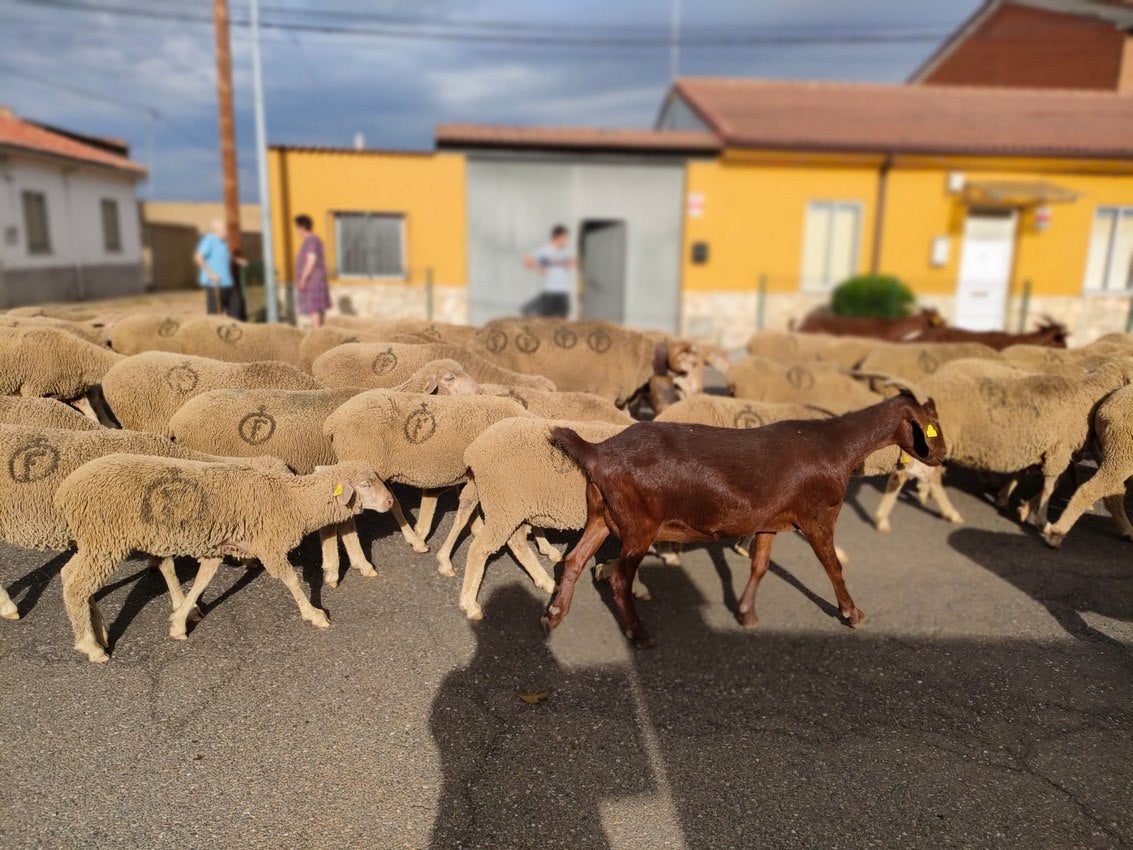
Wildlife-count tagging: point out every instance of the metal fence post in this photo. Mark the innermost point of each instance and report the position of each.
(761, 302)
(429, 293)
(1025, 306)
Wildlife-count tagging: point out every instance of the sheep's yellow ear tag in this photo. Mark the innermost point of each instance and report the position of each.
(338, 491)
(904, 458)
(930, 431)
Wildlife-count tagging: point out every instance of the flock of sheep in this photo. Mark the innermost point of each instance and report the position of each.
(181, 435)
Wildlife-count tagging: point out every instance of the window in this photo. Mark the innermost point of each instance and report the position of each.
(35, 223)
(830, 242)
(370, 244)
(1109, 264)
(111, 235)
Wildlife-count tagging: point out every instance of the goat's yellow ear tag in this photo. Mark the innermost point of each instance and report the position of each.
(930, 431)
(904, 458)
(338, 490)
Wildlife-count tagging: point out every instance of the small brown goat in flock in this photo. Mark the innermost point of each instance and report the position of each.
(891, 329)
(1049, 334)
(675, 482)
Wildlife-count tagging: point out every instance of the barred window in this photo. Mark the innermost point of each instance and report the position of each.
(35, 223)
(1109, 264)
(370, 244)
(111, 234)
(830, 242)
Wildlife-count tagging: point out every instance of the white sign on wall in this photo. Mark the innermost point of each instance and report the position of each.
(695, 204)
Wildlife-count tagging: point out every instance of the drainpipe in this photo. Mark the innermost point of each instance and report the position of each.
(72, 236)
(879, 213)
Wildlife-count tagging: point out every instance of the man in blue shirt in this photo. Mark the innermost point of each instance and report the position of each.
(215, 264)
(555, 262)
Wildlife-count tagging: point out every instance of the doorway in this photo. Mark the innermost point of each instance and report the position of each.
(985, 269)
(602, 259)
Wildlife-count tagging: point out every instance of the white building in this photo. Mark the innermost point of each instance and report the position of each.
(69, 227)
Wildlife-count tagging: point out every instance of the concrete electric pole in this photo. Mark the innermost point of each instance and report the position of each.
(262, 167)
(227, 124)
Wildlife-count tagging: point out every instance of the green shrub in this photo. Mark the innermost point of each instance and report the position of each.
(873, 295)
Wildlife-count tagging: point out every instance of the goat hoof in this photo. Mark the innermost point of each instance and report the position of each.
(748, 619)
(641, 639)
(854, 619)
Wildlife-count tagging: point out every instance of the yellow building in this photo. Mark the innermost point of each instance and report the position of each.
(745, 206)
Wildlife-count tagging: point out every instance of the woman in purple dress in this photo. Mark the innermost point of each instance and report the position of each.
(311, 268)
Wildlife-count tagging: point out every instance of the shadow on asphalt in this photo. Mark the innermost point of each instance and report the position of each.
(765, 739)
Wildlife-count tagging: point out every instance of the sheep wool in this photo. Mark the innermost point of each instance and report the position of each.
(43, 413)
(342, 329)
(576, 406)
(844, 351)
(145, 390)
(735, 412)
(93, 332)
(784, 381)
(138, 332)
(383, 365)
(223, 338)
(916, 361)
(50, 362)
(172, 507)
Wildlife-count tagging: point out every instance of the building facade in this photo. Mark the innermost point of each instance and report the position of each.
(171, 231)
(69, 225)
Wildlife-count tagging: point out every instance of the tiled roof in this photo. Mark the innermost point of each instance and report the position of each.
(24, 135)
(574, 138)
(912, 119)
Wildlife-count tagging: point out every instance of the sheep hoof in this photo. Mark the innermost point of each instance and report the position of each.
(1023, 511)
(318, 619)
(13, 614)
(94, 653)
(445, 568)
(330, 582)
(178, 635)
(366, 570)
(670, 559)
(740, 550)
(641, 592)
(1053, 539)
(882, 525)
(602, 572)
(103, 637)
(474, 612)
(194, 615)
(547, 586)
(419, 548)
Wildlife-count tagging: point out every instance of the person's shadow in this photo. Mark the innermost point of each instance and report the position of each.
(531, 773)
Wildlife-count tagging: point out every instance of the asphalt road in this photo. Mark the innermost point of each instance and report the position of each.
(985, 703)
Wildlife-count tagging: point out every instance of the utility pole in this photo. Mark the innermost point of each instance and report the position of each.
(262, 167)
(227, 123)
(674, 38)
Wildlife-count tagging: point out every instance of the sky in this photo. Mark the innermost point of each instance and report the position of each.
(392, 70)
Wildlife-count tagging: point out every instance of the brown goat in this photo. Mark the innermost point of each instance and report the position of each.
(893, 329)
(682, 483)
(1050, 335)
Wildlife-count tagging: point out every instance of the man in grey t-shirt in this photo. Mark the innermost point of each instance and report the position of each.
(555, 262)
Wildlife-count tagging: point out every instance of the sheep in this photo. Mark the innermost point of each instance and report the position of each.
(139, 332)
(385, 365)
(68, 312)
(671, 481)
(915, 362)
(442, 377)
(322, 340)
(844, 351)
(1037, 357)
(93, 332)
(1003, 419)
(43, 412)
(51, 362)
(596, 357)
(878, 328)
(782, 381)
(37, 459)
(1113, 439)
(144, 390)
(223, 338)
(414, 440)
(178, 507)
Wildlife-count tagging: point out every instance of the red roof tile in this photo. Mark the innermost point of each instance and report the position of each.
(24, 135)
(574, 138)
(912, 119)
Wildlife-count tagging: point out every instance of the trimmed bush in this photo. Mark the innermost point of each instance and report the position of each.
(874, 296)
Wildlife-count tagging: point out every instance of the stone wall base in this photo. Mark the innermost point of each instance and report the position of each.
(729, 318)
(388, 301)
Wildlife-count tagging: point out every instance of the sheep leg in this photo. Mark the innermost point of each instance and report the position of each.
(426, 512)
(491, 538)
(81, 577)
(947, 509)
(760, 561)
(469, 499)
(593, 535)
(8, 609)
(348, 533)
(888, 500)
(328, 540)
(520, 548)
(406, 529)
(550, 552)
(1035, 510)
(822, 542)
(621, 583)
(206, 569)
(1115, 504)
(1104, 485)
(1003, 497)
(176, 596)
(281, 568)
(83, 405)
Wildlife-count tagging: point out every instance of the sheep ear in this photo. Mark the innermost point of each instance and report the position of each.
(430, 387)
(344, 492)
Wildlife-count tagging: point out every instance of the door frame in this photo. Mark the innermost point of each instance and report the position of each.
(1014, 213)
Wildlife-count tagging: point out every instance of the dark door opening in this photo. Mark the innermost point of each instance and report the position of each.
(602, 259)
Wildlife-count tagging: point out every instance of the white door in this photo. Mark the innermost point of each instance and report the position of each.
(985, 270)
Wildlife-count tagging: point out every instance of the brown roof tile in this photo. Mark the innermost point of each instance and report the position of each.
(912, 119)
(574, 138)
(24, 135)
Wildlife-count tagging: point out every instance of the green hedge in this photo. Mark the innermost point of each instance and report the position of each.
(873, 295)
